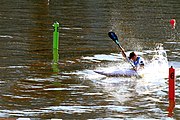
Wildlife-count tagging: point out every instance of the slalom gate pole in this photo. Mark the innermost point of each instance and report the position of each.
(171, 93)
(56, 42)
(171, 83)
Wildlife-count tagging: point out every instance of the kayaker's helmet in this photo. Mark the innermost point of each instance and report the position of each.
(131, 55)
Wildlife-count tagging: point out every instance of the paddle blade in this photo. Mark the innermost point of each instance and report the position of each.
(114, 37)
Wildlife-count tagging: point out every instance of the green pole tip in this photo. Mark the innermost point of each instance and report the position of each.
(56, 24)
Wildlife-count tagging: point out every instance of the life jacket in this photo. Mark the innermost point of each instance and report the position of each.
(139, 61)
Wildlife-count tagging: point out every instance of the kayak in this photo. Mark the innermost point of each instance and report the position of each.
(118, 73)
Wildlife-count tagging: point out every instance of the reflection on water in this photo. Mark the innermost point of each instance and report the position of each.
(30, 85)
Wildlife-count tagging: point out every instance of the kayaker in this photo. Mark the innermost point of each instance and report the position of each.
(137, 60)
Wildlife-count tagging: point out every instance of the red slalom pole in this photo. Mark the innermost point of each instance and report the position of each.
(171, 83)
(171, 91)
(171, 108)
(173, 23)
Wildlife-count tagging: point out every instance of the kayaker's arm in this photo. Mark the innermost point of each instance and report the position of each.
(123, 53)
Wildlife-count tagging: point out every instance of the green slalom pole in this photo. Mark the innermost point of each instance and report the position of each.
(55, 47)
(56, 43)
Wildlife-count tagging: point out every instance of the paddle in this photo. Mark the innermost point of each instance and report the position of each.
(114, 37)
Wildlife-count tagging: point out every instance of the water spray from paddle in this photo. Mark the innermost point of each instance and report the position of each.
(158, 65)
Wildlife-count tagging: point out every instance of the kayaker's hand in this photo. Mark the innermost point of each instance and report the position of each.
(123, 53)
(135, 68)
(122, 49)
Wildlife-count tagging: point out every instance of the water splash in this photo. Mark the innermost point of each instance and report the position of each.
(156, 68)
(123, 89)
(158, 65)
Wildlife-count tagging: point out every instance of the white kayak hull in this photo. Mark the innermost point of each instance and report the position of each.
(118, 73)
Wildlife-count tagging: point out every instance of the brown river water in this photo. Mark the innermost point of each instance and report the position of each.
(31, 86)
